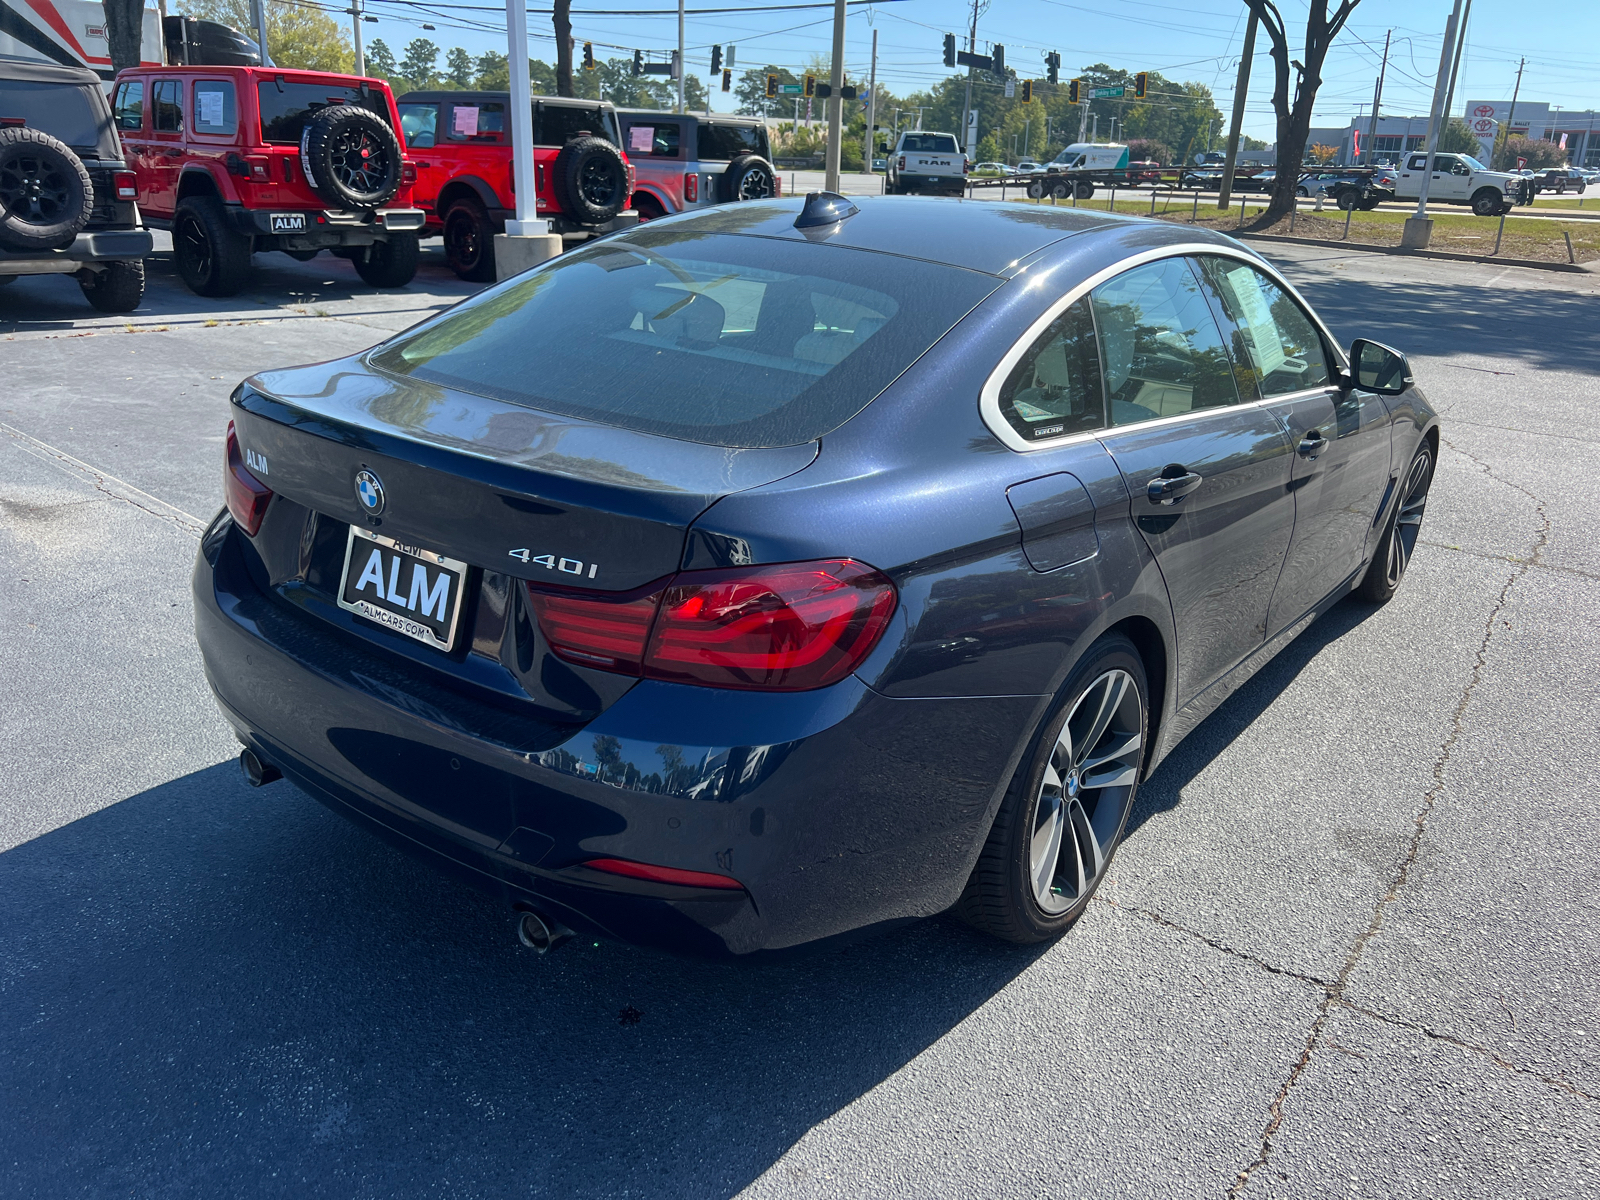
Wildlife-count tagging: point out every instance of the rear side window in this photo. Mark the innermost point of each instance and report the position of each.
(721, 143)
(713, 338)
(419, 125)
(654, 141)
(286, 107)
(168, 97)
(1280, 350)
(216, 110)
(558, 124)
(130, 105)
(1161, 350)
(1055, 390)
(69, 113)
(481, 123)
(929, 143)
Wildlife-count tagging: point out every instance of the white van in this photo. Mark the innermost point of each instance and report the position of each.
(1092, 156)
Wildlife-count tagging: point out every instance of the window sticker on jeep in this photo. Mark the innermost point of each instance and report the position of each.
(214, 108)
(465, 120)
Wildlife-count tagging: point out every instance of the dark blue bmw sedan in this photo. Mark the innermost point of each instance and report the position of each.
(791, 568)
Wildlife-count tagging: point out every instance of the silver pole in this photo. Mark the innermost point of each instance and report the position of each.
(835, 101)
(872, 110)
(1445, 55)
(260, 7)
(1241, 87)
(681, 70)
(526, 221)
(355, 30)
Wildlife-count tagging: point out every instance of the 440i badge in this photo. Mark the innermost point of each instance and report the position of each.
(568, 566)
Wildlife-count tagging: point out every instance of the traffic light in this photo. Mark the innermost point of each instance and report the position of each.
(1027, 91)
(1075, 92)
(1141, 83)
(949, 49)
(824, 90)
(997, 61)
(1052, 64)
(588, 56)
(811, 85)
(638, 62)
(727, 80)
(716, 59)
(772, 87)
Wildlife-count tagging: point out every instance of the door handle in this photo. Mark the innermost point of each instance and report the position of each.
(1312, 444)
(1172, 485)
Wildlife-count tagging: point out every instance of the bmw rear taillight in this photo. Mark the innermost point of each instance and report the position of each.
(247, 496)
(126, 184)
(691, 186)
(787, 627)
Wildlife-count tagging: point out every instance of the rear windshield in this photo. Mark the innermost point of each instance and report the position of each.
(713, 338)
(724, 142)
(558, 124)
(929, 143)
(70, 114)
(286, 107)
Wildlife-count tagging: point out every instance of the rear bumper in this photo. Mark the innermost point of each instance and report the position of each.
(837, 809)
(949, 183)
(111, 245)
(326, 227)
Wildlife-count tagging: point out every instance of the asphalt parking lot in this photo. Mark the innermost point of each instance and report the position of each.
(1348, 948)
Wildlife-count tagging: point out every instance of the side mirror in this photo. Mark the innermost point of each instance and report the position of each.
(1374, 367)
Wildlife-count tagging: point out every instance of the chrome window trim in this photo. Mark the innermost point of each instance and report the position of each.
(989, 397)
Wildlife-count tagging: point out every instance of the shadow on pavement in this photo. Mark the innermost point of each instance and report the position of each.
(209, 991)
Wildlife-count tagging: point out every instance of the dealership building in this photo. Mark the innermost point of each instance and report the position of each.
(1534, 119)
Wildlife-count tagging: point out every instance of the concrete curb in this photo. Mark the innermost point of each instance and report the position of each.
(1533, 264)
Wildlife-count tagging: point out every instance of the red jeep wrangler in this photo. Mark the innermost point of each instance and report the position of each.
(461, 142)
(238, 159)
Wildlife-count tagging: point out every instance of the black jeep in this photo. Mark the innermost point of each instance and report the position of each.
(67, 198)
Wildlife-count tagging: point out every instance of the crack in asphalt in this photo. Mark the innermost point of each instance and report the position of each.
(1217, 944)
(1508, 558)
(110, 485)
(1334, 998)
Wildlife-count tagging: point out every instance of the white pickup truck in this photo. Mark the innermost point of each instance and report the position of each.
(1462, 179)
(927, 162)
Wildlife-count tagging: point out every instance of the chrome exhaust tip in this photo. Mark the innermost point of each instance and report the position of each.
(539, 933)
(256, 772)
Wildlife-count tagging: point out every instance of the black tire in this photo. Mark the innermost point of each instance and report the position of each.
(648, 207)
(1085, 190)
(1486, 202)
(213, 258)
(1348, 200)
(117, 289)
(1399, 541)
(748, 177)
(1301, 191)
(46, 196)
(351, 157)
(1003, 894)
(590, 180)
(1036, 189)
(1369, 205)
(469, 241)
(390, 263)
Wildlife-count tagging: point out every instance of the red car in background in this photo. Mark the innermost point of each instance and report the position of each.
(461, 142)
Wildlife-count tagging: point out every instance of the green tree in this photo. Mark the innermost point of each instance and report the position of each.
(493, 72)
(458, 67)
(618, 84)
(1457, 138)
(1540, 154)
(380, 60)
(298, 36)
(422, 56)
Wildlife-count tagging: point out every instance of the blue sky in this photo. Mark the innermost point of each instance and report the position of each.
(1183, 39)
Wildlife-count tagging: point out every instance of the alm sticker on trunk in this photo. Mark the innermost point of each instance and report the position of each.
(408, 589)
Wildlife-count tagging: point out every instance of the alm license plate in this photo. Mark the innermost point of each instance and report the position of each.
(404, 588)
(288, 222)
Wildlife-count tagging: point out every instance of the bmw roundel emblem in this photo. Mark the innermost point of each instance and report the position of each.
(369, 490)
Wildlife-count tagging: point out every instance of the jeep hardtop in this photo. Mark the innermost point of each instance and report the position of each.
(461, 142)
(239, 159)
(66, 195)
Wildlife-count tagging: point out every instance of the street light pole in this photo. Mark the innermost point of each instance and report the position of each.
(835, 101)
(1418, 231)
(869, 149)
(355, 31)
(1241, 85)
(682, 70)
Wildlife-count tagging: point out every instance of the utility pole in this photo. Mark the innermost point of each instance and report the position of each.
(355, 30)
(871, 147)
(1515, 92)
(1377, 99)
(835, 101)
(260, 13)
(1461, 42)
(1418, 231)
(682, 71)
(966, 108)
(1241, 85)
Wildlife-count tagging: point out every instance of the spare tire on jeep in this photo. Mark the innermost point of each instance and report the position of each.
(748, 177)
(590, 180)
(350, 156)
(46, 196)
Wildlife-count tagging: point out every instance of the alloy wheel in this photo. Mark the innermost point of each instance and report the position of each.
(360, 162)
(1408, 519)
(196, 247)
(597, 183)
(1086, 791)
(33, 190)
(753, 186)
